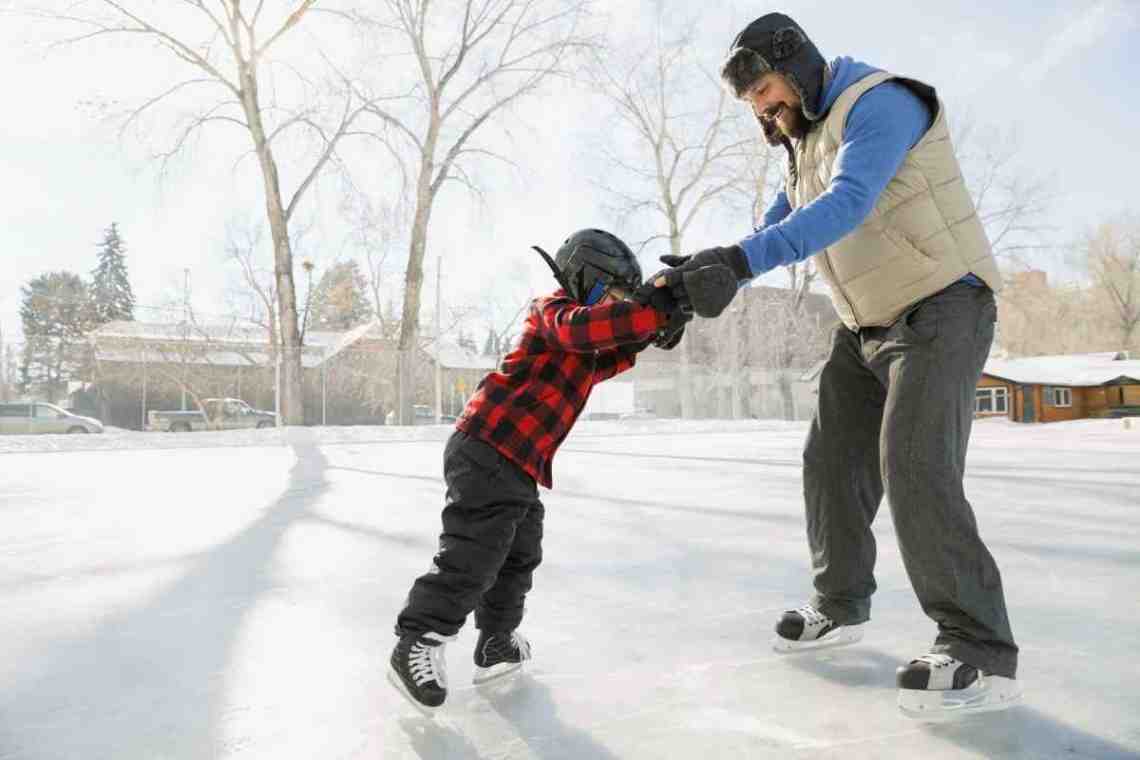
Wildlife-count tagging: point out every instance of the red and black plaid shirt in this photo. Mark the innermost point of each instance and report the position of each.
(528, 406)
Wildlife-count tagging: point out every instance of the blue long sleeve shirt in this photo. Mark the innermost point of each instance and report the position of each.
(883, 125)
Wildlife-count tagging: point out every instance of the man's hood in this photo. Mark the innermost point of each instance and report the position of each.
(842, 73)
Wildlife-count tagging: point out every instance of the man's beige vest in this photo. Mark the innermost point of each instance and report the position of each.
(923, 233)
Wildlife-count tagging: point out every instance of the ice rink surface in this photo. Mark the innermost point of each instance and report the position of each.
(231, 595)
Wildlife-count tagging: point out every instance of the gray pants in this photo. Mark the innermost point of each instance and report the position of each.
(895, 409)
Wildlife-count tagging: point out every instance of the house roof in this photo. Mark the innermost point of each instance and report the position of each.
(238, 344)
(453, 356)
(1075, 370)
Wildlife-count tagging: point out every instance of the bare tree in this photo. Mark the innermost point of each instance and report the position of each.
(227, 44)
(473, 60)
(1012, 204)
(689, 152)
(375, 230)
(1112, 256)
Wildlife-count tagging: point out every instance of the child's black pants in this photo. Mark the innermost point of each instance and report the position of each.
(490, 545)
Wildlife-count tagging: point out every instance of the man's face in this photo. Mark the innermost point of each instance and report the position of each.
(777, 107)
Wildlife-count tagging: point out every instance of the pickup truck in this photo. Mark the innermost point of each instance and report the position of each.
(216, 414)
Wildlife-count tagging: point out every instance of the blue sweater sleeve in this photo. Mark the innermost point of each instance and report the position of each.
(883, 125)
(776, 212)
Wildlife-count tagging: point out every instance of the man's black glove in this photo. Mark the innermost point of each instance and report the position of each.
(705, 290)
(730, 256)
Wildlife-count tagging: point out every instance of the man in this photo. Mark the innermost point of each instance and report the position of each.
(874, 193)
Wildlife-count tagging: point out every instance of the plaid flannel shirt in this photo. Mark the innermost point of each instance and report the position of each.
(526, 408)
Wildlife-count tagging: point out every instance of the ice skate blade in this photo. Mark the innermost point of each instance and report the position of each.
(987, 694)
(497, 672)
(840, 637)
(394, 679)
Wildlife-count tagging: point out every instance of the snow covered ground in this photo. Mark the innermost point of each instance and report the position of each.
(232, 595)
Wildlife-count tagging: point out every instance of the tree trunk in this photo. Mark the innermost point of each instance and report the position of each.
(685, 389)
(413, 287)
(292, 401)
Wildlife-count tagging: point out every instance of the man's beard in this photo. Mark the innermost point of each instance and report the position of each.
(775, 132)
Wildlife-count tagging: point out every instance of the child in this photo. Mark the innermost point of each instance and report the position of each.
(584, 333)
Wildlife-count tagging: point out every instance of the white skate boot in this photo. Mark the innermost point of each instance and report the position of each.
(806, 628)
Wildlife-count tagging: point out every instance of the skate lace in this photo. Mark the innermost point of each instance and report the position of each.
(811, 615)
(519, 641)
(937, 661)
(426, 663)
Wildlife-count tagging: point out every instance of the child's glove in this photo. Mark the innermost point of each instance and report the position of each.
(668, 340)
(665, 301)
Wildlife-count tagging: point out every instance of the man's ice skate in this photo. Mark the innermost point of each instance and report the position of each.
(937, 687)
(499, 655)
(806, 628)
(417, 670)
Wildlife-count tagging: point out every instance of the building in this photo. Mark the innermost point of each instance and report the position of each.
(754, 361)
(349, 377)
(1057, 388)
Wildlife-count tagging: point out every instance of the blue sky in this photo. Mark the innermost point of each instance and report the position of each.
(1062, 73)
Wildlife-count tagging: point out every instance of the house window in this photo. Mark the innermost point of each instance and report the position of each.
(991, 400)
(1059, 396)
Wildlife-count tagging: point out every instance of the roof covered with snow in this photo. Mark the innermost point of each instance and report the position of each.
(453, 356)
(1072, 370)
(240, 344)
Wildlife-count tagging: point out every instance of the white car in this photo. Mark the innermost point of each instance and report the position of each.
(25, 417)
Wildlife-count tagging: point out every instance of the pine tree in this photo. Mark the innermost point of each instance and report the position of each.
(111, 287)
(57, 314)
(489, 347)
(340, 300)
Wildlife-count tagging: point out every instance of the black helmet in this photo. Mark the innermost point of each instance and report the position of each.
(590, 262)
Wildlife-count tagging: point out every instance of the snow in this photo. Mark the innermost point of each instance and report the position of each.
(231, 594)
(1070, 370)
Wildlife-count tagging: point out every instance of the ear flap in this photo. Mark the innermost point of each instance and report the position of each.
(554, 268)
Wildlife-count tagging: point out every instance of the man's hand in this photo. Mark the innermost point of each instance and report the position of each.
(706, 290)
(729, 256)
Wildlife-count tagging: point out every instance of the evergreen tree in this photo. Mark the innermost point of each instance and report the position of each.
(111, 288)
(57, 315)
(489, 347)
(340, 299)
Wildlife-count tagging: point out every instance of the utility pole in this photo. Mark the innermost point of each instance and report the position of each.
(185, 328)
(438, 345)
(3, 368)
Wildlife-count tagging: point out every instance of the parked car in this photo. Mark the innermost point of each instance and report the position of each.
(25, 417)
(216, 414)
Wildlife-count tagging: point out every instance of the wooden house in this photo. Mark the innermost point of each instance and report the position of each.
(1058, 388)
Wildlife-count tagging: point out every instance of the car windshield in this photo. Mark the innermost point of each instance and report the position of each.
(49, 410)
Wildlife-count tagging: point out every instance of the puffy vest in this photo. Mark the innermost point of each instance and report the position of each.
(923, 233)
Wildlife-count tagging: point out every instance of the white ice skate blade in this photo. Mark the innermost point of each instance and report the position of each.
(496, 672)
(987, 694)
(839, 637)
(398, 684)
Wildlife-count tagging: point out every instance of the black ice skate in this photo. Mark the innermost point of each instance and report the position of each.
(416, 668)
(937, 687)
(498, 655)
(807, 628)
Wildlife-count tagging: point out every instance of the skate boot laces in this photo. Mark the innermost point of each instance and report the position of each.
(426, 663)
(938, 661)
(812, 616)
